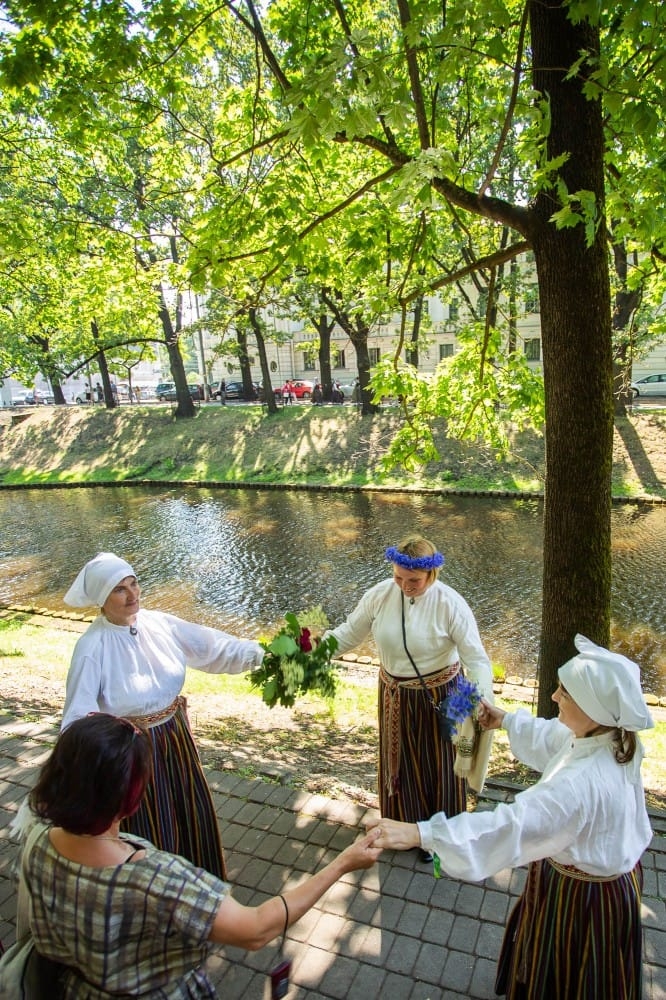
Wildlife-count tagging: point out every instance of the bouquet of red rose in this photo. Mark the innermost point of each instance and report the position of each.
(297, 660)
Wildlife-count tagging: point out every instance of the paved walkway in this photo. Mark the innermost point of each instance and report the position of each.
(392, 931)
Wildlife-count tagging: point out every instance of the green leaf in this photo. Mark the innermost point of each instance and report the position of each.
(269, 694)
(283, 645)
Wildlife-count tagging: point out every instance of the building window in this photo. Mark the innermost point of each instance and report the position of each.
(532, 304)
(374, 354)
(454, 310)
(411, 356)
(445, 351)
(533, 349)
(338, 358)
(309, 364)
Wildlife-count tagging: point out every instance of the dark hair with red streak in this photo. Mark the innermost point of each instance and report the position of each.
(97, 773)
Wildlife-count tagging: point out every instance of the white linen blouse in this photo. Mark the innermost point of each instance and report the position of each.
(439, 626)
(586, 809)
(116, 671)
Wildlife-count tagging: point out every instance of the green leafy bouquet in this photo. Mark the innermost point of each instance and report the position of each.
(297, 660)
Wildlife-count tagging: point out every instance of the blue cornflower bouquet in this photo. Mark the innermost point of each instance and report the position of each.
(460, 703)
(297, 660)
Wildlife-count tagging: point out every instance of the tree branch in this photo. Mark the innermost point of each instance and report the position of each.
(487, 181)
(491, 260)
(414, 77)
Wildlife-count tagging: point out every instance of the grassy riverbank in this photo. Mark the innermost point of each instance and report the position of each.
(327, 747)
(300, 445)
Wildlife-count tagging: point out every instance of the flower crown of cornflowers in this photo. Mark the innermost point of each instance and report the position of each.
(414, 562)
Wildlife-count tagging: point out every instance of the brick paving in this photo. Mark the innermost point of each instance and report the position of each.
(393, 931)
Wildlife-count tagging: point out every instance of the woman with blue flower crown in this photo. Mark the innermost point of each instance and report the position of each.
(433, 671)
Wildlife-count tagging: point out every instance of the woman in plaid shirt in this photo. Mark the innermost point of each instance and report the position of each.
(122, 917)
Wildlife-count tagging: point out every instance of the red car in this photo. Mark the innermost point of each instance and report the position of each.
(300, 389)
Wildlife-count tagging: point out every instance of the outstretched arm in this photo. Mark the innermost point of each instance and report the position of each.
(252, 927)
(395, 836)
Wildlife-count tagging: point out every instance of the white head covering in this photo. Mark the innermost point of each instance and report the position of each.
(97, 579)
(607, 686)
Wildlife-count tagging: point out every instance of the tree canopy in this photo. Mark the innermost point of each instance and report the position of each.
(383, 150)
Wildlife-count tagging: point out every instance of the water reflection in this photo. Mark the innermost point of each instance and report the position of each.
(241, 558)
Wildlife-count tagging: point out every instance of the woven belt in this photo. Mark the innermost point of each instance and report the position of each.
(148, 721)
(572, 872)
(391, 713)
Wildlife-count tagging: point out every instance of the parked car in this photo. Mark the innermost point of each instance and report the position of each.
(347, 389)
(650, 385)
(39, 398)
(165, 392)
(81, 396)
(162, 389)
(234, 390)
(301, 388)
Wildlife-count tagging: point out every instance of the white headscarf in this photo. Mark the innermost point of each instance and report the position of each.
(97, 579)
(607, 686)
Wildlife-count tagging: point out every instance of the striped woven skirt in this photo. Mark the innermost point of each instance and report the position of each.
(177, 812)
(415, 777)
(573, 937)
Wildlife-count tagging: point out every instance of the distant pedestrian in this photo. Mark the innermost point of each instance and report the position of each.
(100, 393)
(356, 393)
(317, 395)
(223, 392)
(288, 392)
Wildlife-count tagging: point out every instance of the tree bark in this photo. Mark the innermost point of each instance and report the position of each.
(184, 404)
(109, 399)
(269, 395)
(357, 331)
(324, 329)
(577, 357)
(244, 362)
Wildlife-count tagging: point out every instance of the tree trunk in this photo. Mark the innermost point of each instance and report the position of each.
(244, 362)
(627, 301)
(52, 376)
(184, 402)
(109, 399)
(269, 395)
(577, 358)
(416, 331)
(58, 394)
(324, 329)
(358, 334)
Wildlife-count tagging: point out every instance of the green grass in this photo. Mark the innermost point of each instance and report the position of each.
(299, 445)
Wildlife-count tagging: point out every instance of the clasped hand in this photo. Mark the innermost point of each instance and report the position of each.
(489, 716)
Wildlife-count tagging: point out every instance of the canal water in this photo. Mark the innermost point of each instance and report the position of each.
(240, 559)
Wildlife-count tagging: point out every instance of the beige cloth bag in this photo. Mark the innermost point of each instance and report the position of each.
(473, 747)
